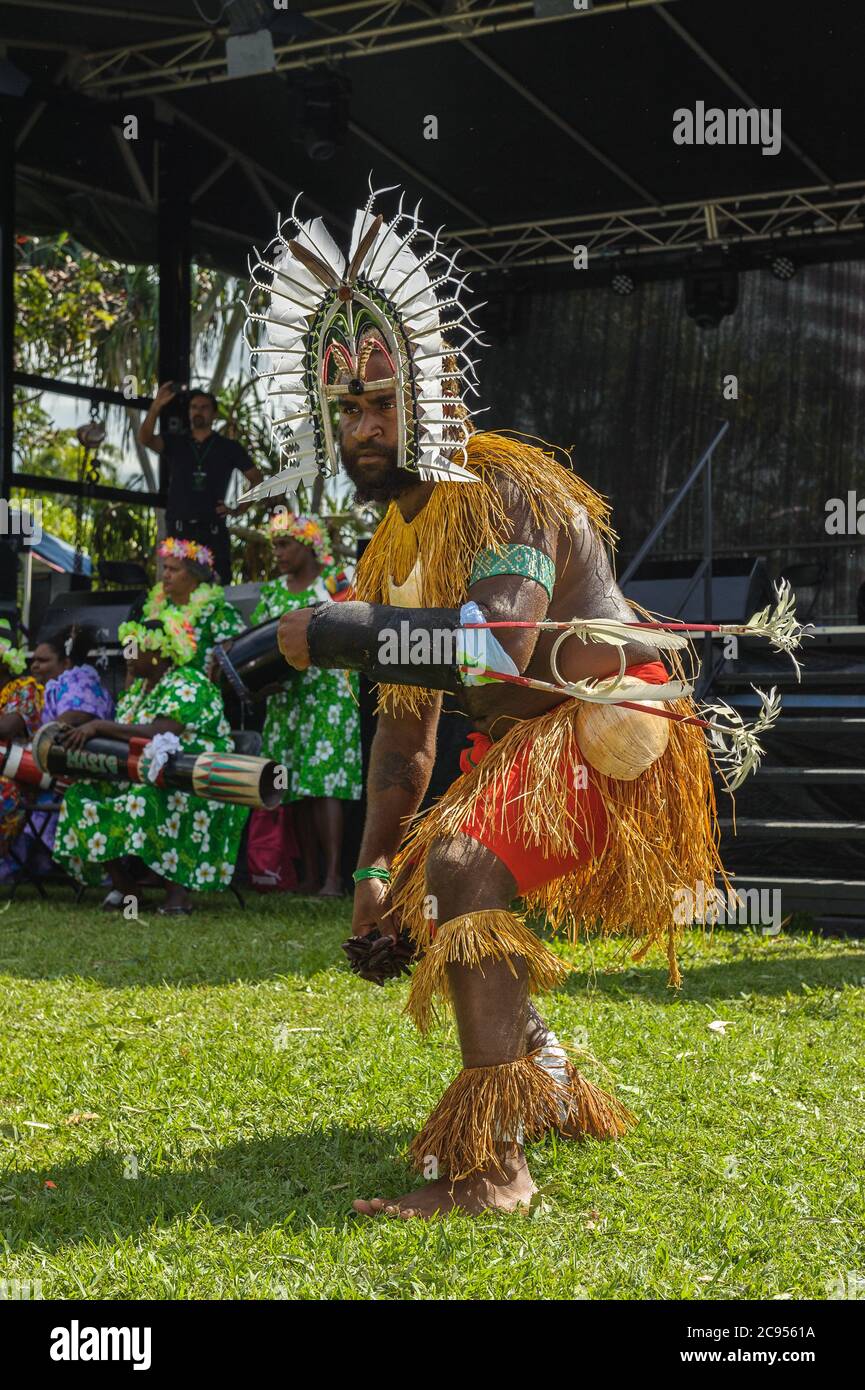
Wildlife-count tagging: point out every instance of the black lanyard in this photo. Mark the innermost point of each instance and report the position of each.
(199, 472)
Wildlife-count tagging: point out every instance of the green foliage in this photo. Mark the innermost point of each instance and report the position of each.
(68, 301)
(80, 315)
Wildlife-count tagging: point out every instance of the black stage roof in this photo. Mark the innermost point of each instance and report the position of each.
(554, 126)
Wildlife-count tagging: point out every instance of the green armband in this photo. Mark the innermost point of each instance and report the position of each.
(372, 872)
(526, 560)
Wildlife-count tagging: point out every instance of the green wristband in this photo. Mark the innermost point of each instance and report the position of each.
(360, 874)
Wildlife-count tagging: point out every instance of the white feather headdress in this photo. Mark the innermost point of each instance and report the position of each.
(399, 294)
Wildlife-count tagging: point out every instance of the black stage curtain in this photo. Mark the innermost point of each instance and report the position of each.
(634, 388)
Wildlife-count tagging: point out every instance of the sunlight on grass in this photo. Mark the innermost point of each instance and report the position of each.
(206, 1097)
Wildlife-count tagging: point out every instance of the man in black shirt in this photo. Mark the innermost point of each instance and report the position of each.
(200, 466)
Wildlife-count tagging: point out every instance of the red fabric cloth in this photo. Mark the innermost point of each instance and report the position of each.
(529, 866)
(271, 849)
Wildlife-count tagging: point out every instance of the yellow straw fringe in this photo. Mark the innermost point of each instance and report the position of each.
(594, 1113)
(662, 833)
(458, 521)
(464, 1132)
(470, 940)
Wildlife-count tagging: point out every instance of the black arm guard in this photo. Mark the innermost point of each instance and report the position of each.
(396, 646)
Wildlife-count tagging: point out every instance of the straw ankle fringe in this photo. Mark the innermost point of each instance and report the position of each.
(470, 940)
(464, 1131)
(594, 1113)
(662, 836)
(461, 519)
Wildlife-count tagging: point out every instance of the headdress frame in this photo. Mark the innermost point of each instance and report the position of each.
(320, 310)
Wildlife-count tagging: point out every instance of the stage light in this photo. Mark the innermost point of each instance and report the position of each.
(249, 45)
(782, 267)
(550, 9)
(322, 115)
(623, 283)
(710, 295)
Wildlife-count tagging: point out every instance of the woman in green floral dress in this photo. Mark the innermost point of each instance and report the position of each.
(185, 841)
(188, 584)
(312, 724)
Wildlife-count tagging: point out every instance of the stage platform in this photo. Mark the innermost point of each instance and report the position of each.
(799, 823)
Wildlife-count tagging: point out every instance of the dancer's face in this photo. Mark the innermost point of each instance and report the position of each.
(291, 555)
(369, 440)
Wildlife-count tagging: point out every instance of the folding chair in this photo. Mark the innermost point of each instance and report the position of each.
(21, 850)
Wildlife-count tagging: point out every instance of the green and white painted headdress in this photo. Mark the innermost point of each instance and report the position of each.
(397, 294)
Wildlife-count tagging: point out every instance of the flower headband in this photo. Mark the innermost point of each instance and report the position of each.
(176, 640)
(303, 529)
(187, 550)
(13, 657)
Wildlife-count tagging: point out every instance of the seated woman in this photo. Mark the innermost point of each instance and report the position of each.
(312, 725)
(74, 693)
(189, 585)
(21, 700)
(184, 841)
(73, 689)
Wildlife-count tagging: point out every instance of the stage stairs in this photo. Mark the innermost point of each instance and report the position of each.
(800, 819)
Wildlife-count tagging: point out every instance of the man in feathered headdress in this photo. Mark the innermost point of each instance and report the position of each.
(369, 361)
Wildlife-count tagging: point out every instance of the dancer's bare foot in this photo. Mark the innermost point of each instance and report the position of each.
(488, 1188)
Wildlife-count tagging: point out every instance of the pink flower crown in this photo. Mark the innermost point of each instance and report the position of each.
(303, 529)
(187, 550)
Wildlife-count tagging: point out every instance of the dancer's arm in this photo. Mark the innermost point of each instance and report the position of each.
(401, 764)
(369, 637)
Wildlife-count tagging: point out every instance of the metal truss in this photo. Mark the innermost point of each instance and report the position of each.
(197, 59)
(784, 216)
(653, 232)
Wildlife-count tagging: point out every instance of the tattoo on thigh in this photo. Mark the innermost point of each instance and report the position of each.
(394, 770)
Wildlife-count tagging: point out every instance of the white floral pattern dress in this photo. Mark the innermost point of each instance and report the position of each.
(312, 726)
(179, 835)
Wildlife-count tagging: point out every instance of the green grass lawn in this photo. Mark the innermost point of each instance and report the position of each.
(257, 1087)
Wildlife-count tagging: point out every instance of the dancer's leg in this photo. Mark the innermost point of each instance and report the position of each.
(490, 1001)
(327, 812)
(516, 1080)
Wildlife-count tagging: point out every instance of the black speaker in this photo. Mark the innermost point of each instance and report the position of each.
(9, 550)
(103, 610)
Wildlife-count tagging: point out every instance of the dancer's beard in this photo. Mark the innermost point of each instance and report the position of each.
(380, 481)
